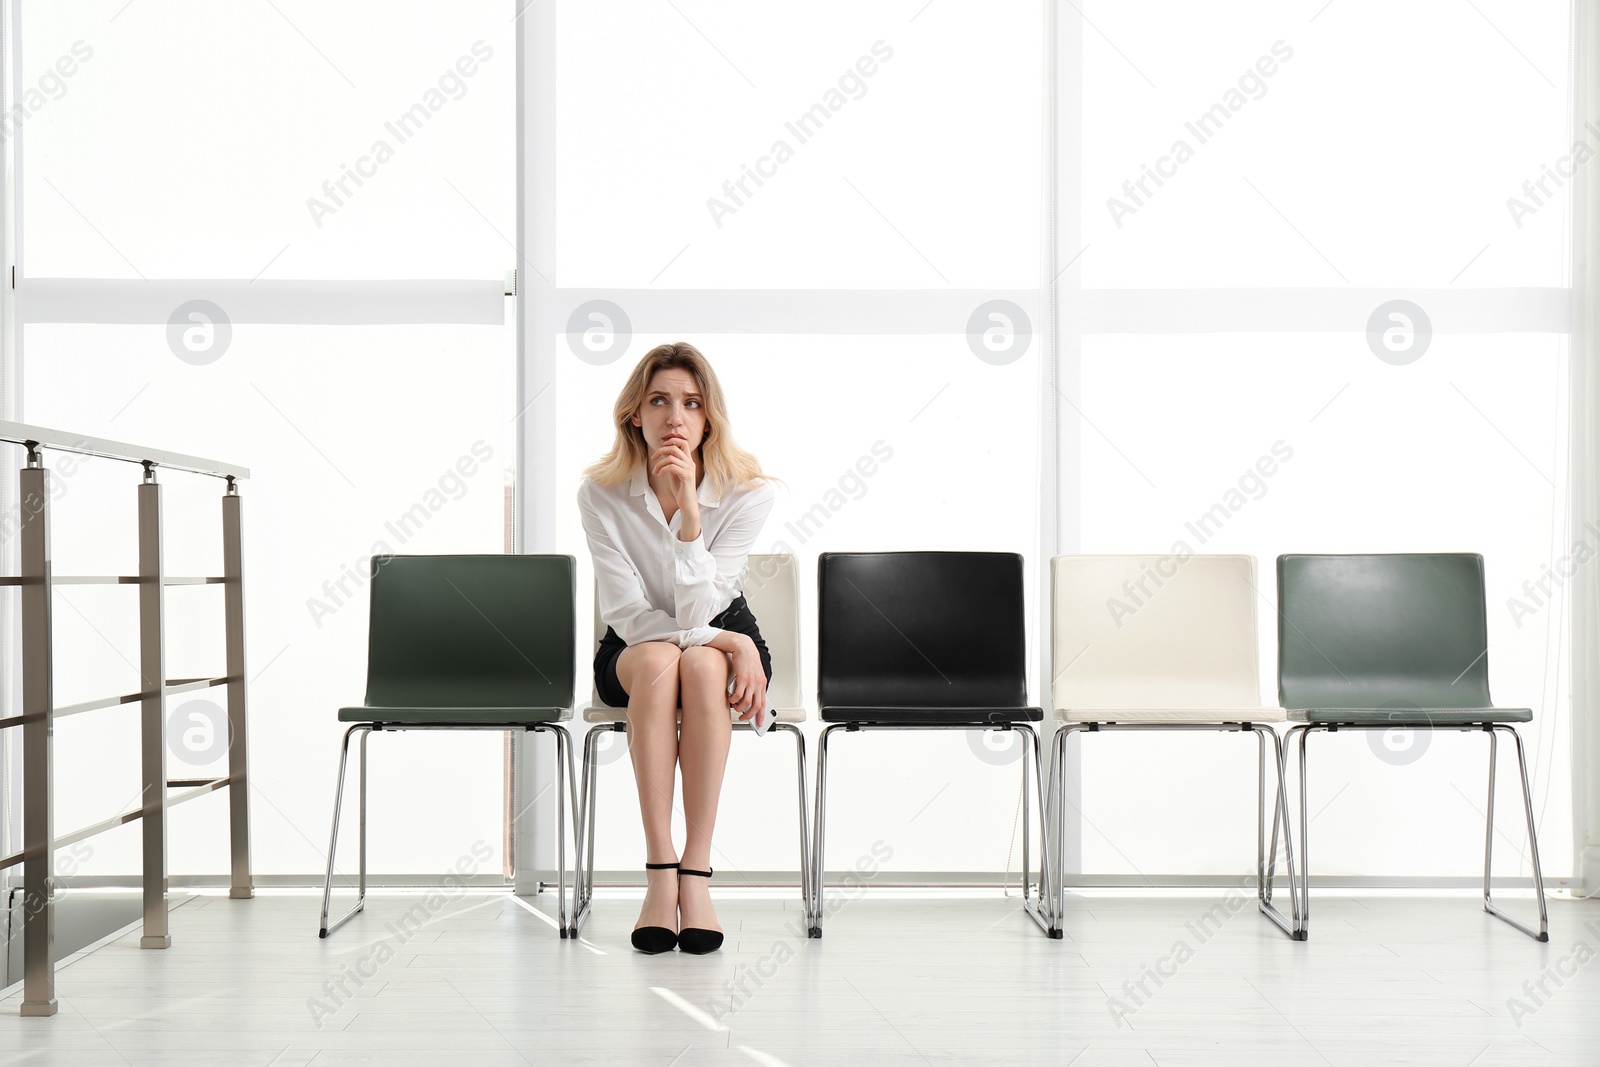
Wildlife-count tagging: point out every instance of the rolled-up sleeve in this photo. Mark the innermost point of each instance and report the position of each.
(706, 577)
(623, 605)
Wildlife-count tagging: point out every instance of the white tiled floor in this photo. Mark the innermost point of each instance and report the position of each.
(1384, 980)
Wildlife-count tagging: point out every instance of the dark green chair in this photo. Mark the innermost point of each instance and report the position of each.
(1380, 642)
(466, 643)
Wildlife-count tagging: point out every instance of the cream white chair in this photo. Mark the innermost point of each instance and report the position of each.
(1162, 643)
(772, 589)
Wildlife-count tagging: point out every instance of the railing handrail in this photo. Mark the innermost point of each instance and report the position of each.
(34, 436)
(37, 585)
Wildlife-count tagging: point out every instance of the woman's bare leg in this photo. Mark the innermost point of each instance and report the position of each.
(649, 673)
(702, 754)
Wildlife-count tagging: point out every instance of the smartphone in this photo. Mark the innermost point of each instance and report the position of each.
(763, 718)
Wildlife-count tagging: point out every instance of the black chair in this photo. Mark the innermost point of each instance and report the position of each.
(466, 643)
(925, 641)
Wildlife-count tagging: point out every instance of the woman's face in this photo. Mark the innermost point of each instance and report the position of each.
(673, 409)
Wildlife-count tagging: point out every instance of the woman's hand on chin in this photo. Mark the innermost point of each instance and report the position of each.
(674, 460)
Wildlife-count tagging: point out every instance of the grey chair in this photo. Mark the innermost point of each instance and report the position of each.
(772, 591)
(1379, 642)
(465, 643)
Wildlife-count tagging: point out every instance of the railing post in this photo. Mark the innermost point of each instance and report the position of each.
(38, 702)
(238, 780)
(153, 715)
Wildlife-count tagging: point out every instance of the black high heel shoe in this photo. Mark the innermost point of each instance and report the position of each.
(654, 939)
(693, 939)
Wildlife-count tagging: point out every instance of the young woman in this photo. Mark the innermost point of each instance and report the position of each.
(670, 514)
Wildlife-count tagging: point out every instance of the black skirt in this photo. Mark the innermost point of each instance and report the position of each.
(736, 617)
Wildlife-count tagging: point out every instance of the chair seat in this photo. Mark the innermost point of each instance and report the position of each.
(453, 716)
(915, 716)
(1423, 717)
(1170, 715)
(607, 713)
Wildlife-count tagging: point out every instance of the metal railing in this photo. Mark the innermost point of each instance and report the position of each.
(37, 721)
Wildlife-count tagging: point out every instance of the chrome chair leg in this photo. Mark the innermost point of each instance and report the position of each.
(1282, 805)
(1047, 828)
(592, 815)
(583, 877)
(1041, 911)
(1280, 812)
(361, 822)
(1266, 872)
(1543, 933)
(1263, 889)
(325, 928)
(1027, 859)
(1058, 803)
(1053, 826)
(576, 808)
(1300, 733)
(805, 835)
(564, 777)
(818, 852)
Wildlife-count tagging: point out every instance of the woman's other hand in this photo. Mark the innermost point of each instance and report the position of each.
(749, 693)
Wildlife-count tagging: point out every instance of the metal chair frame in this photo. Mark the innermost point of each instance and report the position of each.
(1038, 909)
(1265, 868)
(1299, 732)
(565, 780)
(583, 889)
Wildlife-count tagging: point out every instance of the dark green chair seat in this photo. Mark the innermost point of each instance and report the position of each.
(454, 716)
(1378, 642)
(1418, 717)
(466, 642)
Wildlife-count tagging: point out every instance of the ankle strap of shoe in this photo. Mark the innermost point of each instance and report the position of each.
(660, 866)
(702, 874)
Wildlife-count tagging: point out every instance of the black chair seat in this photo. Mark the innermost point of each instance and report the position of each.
(454, 716)
(914, 716)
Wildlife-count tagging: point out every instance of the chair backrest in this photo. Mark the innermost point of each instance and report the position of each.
(921, 629)
(1154, 632)
(487, 631)
(1382, 631)
(772, 589)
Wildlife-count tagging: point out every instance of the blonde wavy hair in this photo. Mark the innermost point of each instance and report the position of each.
(726, 464)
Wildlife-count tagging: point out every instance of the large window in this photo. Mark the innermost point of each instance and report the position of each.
(273, 141)
(335, 186)
(1065, 272)
(820, 206)
(1241, 196)
(1296, 180)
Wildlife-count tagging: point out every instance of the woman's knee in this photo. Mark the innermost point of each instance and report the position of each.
(650, 666)
(702, 667)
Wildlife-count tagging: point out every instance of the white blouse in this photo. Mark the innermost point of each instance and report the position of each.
(654, 587)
